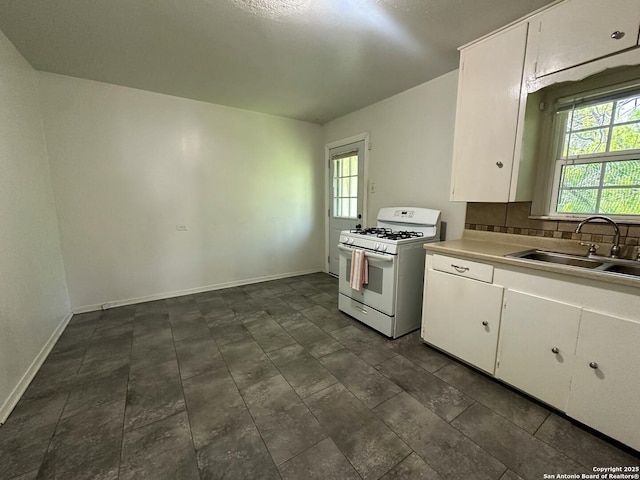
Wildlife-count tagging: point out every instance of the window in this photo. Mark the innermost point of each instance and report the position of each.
(598, 157)
(345, 185)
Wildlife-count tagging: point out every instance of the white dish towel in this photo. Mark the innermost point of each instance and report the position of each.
(359, 270)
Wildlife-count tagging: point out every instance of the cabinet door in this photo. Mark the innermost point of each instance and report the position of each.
(578, 31)
(462, 317)
(532, 330)
(605, 389)
(487, 117)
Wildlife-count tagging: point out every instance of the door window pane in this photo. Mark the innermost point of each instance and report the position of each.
(345, 187)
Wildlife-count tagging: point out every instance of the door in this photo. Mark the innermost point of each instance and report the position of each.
(462, 317)
(606, 381)
(537, 345)
(346, 176)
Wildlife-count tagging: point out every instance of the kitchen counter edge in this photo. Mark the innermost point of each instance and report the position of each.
(494, 251)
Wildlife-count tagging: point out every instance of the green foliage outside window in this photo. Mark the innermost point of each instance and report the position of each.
(605, 186)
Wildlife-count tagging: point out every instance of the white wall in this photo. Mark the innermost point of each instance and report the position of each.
(412, 147)
(129, 165)
(34, 304)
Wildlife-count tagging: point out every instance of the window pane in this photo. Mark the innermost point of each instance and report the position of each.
(343, 169)
(354, 165)
(627, 110)
(591, 116)
(591, 141)
(620, 201)
(344, 186)
(337, 212)
(354, 187)
(625, 137)
(353, 207)
(577, 201)
(345, 207)
(583, 175)
(622, 173)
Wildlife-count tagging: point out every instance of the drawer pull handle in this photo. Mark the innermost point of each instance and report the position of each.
(485, 323)
(555, 350)
(460, 269)
(593, 365)
(617, 35)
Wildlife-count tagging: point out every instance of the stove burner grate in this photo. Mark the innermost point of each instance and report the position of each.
(400, 235)
(371, 231)
(386, 233)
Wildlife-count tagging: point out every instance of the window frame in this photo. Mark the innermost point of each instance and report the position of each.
(560, 116)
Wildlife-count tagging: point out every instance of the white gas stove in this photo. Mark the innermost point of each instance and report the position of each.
(391, 301)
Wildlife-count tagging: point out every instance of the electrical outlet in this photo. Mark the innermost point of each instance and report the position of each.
(372, 187)
(181, 228)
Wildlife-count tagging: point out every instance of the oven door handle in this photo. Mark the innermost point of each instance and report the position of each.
(375, 256)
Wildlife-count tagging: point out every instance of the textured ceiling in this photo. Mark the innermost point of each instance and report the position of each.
(312, 60)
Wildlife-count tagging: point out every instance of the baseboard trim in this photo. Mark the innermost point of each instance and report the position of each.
(10, 403)
(190, 291)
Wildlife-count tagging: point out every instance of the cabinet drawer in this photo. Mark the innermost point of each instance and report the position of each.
(463, 268)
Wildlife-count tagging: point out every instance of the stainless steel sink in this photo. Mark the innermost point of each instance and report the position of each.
(623, 269)
(559, 258)
(603, 264)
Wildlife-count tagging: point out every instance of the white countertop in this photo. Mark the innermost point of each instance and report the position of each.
(492, 247)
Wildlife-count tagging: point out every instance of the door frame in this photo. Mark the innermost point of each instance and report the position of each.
(327, 179)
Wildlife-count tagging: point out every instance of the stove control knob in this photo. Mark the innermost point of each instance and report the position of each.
(376, 246)
(343, 239)
(352, 241)
(384, 248)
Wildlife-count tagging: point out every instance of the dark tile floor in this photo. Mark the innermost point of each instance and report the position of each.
(271, 381)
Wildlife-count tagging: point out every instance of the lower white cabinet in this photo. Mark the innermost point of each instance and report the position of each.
(537, 344)
(573, 345)
(605, 389)
(462, 317)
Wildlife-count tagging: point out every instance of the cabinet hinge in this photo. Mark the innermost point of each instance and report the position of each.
(329, 259)
(504, 306)
(328, 212)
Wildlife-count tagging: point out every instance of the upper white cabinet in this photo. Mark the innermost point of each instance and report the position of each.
(495, 142)
(489, 91)
(579, 31)
(606, 381)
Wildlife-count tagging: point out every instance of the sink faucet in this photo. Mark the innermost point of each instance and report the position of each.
(615, 249)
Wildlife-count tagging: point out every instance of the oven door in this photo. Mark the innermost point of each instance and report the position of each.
(380, 292)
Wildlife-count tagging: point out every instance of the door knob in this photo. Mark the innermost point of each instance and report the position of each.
(593, 365)
(485, 323)
(617, 35)
(555, 350)
(500, 164)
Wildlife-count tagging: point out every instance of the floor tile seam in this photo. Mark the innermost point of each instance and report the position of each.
(53, 434)
(402, 460)
(509, 465)
(124, 414)
(66, 402)
(253, 420)
(301, 398)
(461, 433)
(184, 399)
(339, 449)
(489, 407)
(579, 462)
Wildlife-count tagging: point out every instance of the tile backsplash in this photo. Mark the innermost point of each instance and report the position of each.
(514, 218)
